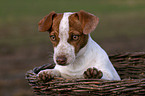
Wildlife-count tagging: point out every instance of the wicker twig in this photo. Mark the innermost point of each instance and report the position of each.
(130, 66)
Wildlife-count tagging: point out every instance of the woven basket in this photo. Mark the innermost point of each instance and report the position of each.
(130, 67)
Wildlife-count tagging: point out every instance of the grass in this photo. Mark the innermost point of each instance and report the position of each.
(18, 19)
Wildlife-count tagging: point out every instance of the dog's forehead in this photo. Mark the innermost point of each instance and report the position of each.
(65, 20)
(64, 26)
(64, 23)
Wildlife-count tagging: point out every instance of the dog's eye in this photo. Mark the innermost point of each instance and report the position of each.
(52, 37)
(75, 37)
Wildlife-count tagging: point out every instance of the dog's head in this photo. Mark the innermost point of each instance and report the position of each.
(68, 33)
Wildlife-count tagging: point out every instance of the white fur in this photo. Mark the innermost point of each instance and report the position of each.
(92, 55)
(64, 48)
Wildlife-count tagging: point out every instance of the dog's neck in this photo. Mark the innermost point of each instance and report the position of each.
(84, 56)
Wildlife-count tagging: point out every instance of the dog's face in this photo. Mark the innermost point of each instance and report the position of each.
(68, 33)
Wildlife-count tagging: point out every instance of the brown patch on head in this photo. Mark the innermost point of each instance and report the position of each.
(81, 24)
(76, 36)
(54, 31)
(51, 23)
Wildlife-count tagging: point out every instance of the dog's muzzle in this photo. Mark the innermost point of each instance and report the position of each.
(61, 60)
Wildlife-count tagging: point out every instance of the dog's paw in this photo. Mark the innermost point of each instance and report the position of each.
(93, 73)
(46, 75)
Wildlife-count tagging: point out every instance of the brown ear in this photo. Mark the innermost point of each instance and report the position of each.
(46, 23)
(88, 21)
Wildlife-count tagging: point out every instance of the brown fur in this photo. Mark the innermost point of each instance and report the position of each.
(46, 23)
(55, 29)
(80, 24)
(88, 21)
(76, 29)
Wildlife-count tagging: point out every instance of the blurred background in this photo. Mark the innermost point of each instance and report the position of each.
(22, 47)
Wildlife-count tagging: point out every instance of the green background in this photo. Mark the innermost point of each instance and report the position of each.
(22, 47)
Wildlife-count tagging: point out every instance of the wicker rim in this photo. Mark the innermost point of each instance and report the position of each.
(131, 64)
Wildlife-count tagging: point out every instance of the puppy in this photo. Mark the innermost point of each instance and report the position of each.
(76, 54)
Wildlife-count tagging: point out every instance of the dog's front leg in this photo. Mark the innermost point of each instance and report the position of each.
(48, 74)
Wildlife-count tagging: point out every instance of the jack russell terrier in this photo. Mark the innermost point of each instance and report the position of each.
(75, 53)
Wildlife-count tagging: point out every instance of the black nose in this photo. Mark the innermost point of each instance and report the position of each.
(61, 60)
